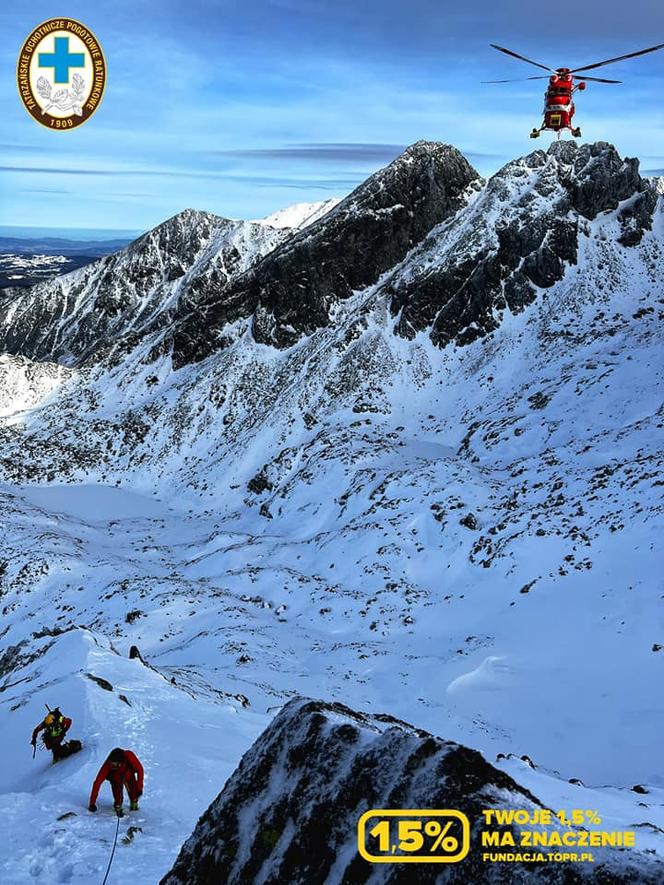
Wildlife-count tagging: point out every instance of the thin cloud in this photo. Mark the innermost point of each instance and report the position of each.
(219, 176)
(24, 147)
(327, 152)
(338, 152)
(312, 186)
(45, 190)
(61, 170)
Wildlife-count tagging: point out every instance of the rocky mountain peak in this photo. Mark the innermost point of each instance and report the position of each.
(596, 177)
(449, 252)
(291, 291)
(521, 234)
(78, 316)
(424, 151)
(434, 172)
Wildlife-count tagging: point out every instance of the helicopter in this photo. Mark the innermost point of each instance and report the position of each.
(558, 104)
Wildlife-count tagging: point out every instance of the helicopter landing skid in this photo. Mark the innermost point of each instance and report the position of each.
(575, 131)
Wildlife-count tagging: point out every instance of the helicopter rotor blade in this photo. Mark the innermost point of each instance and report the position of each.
(522, 57)
(517, 80)
(610, 61)
(598, 79)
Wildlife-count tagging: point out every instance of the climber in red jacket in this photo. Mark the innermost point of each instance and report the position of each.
(122, 769)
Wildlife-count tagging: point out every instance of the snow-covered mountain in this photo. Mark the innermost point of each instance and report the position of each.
(299, 215)
(70, 317)
(27, 259)
(406, 458)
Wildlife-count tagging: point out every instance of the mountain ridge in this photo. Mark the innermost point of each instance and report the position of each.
(463, 531)
(200, 290)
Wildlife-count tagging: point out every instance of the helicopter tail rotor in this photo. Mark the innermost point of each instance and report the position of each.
(516, 80)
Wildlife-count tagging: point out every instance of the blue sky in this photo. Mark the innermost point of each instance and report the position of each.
(242, 107)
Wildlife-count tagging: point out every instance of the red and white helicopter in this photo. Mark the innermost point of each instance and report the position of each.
(558, 104)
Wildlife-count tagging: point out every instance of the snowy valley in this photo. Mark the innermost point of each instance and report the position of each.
(400, 452)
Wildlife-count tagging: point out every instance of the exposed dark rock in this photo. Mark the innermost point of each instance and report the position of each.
(595, 176)
(135, 653)
(538, 400)
(636, 217)
(102, 683)
(289, 812)
(15, 657)
(291, 291)
(260, 483)
(521, 234)
(52, 631)
(106, 304)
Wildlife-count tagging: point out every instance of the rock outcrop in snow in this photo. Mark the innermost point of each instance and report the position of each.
(289, 813)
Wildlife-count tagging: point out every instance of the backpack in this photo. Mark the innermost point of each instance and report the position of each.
(55, 725)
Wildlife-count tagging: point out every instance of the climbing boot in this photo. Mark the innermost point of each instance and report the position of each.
(118, 810)
(133, 805)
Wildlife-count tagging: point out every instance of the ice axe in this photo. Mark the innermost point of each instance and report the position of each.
(34, 745)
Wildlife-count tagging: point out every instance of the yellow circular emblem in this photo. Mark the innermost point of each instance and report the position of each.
(61, 73)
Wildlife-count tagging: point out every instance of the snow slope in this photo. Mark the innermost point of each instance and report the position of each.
(288, 812)
(25, 384)
(465, 536)
(299, 215)
(46, 831)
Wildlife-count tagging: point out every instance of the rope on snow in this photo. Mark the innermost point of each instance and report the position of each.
(110, 861)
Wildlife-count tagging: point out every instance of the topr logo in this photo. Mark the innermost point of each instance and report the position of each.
(61, 73)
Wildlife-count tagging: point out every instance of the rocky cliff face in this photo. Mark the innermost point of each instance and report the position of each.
(76, 317)
(292, 290)
(290, 811)
(519, 236)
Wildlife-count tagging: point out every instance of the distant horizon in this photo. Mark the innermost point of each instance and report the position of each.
(19, 231)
